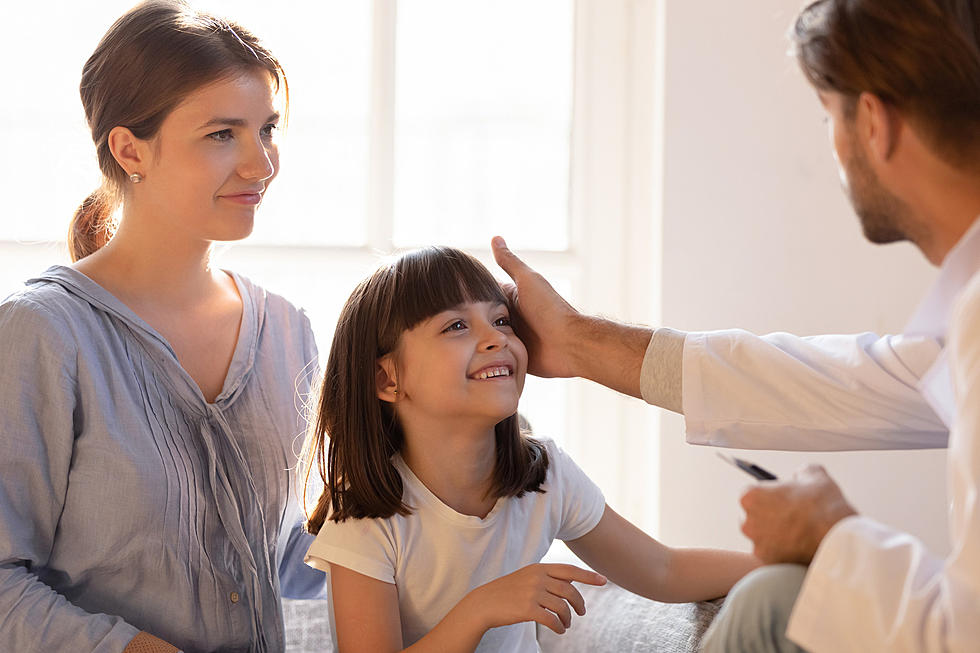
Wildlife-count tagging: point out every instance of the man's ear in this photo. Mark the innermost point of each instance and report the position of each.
(129, 152)
(386, 379)
(879, 124)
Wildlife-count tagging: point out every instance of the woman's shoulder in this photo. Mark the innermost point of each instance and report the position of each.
(41, 313)
(277, 306)
(39, 305)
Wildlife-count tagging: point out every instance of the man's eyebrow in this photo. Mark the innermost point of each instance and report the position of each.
(236, 122)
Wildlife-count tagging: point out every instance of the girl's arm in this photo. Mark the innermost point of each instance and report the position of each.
(637, 562)
(367, 619)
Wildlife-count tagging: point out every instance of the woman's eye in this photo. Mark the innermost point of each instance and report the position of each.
(458, 325)
(269, 130)
(221, 136)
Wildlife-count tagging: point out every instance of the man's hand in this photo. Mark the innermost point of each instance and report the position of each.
(543, 320)
(786, 521)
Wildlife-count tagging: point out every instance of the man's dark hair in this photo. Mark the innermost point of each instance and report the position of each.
(920, 56)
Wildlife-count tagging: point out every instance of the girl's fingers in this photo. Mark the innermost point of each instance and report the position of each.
(557, 605)
(571, 572)
(568, 592)
(549, 619)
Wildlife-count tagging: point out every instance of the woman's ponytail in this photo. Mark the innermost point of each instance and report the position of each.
(93, 224)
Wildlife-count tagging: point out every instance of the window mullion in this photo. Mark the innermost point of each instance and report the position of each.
(381, 177)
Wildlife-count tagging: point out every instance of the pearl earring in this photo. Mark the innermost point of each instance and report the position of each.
(136, 177)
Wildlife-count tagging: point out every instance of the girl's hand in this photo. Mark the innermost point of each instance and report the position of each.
(540, 593)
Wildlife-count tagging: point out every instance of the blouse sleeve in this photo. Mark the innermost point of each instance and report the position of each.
(296, 579)
(38, 414)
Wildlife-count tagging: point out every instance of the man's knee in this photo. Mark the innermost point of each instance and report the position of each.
(756, 612)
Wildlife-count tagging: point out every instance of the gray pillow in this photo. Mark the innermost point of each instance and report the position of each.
(618, 621)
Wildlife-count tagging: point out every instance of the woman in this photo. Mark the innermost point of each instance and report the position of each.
(147, 400)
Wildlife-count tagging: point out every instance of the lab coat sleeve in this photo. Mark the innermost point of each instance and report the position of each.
(818, 393)
(37, 430)
(870, 588)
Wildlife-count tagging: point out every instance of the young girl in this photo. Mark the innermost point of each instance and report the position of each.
(437, 509)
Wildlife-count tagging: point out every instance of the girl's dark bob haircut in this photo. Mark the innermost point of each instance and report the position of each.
(354, 433)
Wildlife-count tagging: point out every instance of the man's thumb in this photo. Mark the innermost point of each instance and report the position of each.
(505, 258)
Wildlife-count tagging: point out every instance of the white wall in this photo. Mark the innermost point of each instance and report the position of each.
(758, 235)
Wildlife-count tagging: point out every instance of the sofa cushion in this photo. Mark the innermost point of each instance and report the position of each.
(618, 621)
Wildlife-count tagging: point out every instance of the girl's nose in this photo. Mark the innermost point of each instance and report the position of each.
(493, 339)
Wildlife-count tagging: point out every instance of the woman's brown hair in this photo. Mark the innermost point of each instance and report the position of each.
(355, 433)
(921, 56)
(149, 61)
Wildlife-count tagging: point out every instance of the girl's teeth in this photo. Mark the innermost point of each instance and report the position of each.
(500, 371)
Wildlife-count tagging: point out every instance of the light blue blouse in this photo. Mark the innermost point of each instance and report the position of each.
(127, 502)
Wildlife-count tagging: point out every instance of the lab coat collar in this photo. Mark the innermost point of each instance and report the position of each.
(932, 317)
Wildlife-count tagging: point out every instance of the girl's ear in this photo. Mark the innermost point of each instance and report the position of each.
(385, 379)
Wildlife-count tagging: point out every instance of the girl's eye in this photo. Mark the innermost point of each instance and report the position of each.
(458, 325)
(270, 130)
(502, 321)
(221, 136)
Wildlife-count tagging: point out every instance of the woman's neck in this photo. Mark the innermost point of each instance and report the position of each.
(456, 465)
(136, 266)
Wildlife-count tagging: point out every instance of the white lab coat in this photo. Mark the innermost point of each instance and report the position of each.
(869, 588)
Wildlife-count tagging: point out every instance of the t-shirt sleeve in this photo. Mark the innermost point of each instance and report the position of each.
(366, 546)
(582, 502)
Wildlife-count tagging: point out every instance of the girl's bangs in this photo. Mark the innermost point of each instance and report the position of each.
(431, 280)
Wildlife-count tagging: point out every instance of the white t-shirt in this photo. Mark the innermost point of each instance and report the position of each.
(436, 555)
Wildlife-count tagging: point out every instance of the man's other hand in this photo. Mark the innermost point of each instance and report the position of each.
(787, 520)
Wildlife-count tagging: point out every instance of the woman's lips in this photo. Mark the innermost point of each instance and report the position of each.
(248, 199)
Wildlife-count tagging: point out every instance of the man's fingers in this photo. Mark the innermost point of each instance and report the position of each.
(571, 572)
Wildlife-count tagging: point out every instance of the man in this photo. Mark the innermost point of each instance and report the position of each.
(900, 82)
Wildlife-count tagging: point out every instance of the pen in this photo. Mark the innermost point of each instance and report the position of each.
(749, 468)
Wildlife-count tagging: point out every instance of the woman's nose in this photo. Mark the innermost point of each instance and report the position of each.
(258, 163)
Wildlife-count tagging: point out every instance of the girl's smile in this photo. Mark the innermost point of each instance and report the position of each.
(493, 372)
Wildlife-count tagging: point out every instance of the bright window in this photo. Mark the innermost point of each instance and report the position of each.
(413, 122)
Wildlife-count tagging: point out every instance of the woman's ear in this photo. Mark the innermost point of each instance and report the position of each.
(128, 151)
(385, 379)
